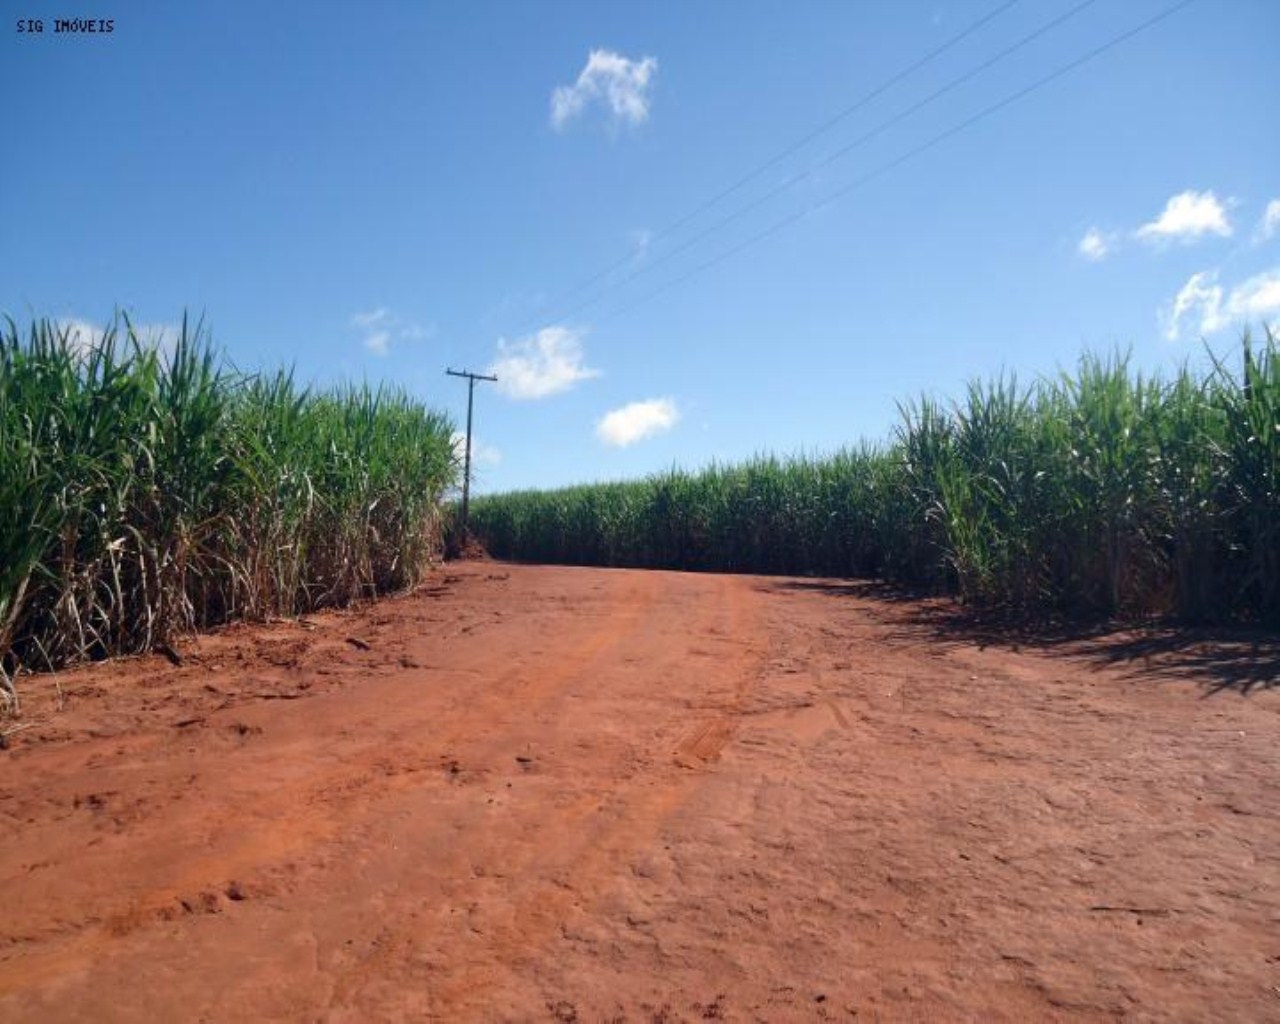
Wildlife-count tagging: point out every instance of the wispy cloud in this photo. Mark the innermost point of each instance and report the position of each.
(637, 421)
(641, 239)
(379, 327)
(482, 454)
(623, 86)
(1186, 217)
(1269, 225)
(541, 365)
(1204, 301)
(1095, 246)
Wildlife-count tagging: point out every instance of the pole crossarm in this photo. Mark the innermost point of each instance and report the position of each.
(471, 379)
(469, 375)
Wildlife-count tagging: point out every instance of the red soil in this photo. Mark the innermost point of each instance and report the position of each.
(574, 794)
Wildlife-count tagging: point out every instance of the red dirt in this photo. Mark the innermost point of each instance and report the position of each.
(572, 794)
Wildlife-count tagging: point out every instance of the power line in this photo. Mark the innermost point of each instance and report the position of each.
(899, 161)
(843, 151)
(776, 159)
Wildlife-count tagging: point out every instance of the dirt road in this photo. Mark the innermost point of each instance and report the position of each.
(569, 794)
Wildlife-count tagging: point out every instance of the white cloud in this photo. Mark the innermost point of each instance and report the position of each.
(1256, 299)
(636, 421)
(371, 319)
(161, 337)
(1270, 223)
(1202, 296)
(1094, 246)
(1202, 292)
(623, 86)
(379, 326)
(81, 334)
(1186, 217)
(485, 454)
(84, 335)
(482, 454)
(641, 239)
(544, 364)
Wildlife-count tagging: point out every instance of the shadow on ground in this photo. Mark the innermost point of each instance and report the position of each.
(1226, 658)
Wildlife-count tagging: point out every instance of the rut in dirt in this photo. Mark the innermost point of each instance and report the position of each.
(540, 793)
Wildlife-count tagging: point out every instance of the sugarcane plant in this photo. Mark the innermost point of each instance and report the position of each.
(149, 490)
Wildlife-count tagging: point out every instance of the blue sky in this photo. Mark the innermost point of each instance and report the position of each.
(380, 190)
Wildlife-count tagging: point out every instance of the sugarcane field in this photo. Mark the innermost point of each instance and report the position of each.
(640, 513)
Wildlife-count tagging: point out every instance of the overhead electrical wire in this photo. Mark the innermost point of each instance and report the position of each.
(808, 172)
(787, 151)
(911, 154)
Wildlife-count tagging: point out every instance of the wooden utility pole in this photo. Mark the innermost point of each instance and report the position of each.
(466, 467)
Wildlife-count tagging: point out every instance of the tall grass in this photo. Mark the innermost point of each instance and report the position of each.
(1098, 492)
(147, 493)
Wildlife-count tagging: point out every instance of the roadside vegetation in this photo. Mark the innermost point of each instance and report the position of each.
(1099, 492)
(147, 493)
